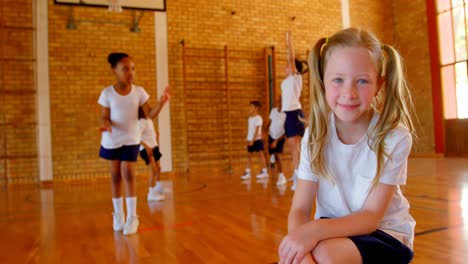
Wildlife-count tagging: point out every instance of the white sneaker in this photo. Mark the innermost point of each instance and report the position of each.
(281, 180)
(119, 221)
(294, 176)
(293, 187)
(262, 175)
(155, 196)
(158, 188)
(246, 176)
(131, 226)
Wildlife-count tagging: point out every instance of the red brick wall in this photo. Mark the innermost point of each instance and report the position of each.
(375, 16)
(255, 25)
(411, 39)
(18, 162)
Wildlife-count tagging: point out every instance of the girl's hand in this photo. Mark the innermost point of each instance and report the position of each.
(105, 128)
(296, 245)
(250, 143)
(166, 95)
(273, 144)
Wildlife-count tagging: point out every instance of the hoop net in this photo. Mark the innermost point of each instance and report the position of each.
(115, 6)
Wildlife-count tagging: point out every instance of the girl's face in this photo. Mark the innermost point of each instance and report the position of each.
(252, 109)
(124, 71)
(351, 81)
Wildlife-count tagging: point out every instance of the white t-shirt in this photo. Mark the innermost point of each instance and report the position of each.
(254, 122)
(353, 168)
(277, 123)
(148, 134)
(123, 116)
(291, 88)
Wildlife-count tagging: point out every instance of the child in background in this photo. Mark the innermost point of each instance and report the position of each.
(276, 138)
(291, 88)
(149, 152)
(255, 141)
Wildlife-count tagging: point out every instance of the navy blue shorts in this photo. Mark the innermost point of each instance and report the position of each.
(380, 247)
(124, 153)
(279, 145)
(293, 125)
(156, 154)
(256, 147)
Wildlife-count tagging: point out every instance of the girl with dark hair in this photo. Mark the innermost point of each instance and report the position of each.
(121, 137)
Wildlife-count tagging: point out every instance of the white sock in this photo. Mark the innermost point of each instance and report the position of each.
(264, 170)
(118, 205)
(131, 206)
(247, 170)
(158, 185)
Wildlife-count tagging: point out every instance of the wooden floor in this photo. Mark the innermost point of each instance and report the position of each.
(210, 218)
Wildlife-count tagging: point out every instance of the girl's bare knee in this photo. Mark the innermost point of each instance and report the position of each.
(322, 253)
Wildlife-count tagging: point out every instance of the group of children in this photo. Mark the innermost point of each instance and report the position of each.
(127, 130)
(286, 121)
(351, 161)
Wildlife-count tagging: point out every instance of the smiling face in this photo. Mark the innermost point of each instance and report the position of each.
(124, 71)
(351, 81)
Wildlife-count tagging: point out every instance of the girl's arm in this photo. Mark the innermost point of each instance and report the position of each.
(363, 222)
(257, 133)
(303, 240)
(147, 148)
(106, 124)
(291, 56)
(278, 140)
(301, 207)
(152, 112)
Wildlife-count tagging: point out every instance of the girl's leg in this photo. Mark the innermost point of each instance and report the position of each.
(157, 171)
(154, 173)
(326, 251)
(129, 172)
(262, 156)
(249, 160)
(117, 200)
(246, 174)
(293, 144)
(278, 162)
(116, 183)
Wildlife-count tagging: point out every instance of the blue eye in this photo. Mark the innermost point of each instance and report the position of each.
(338, 80)
(363, 81)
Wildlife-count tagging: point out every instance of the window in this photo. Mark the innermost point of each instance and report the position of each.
(452, 25)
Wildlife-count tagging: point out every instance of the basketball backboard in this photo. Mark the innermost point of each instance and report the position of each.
(155, 5)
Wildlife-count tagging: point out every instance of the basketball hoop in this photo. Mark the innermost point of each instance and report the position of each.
(115, 6)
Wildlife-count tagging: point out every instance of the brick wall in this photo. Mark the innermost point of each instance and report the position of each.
(374, 16)
(403, 25)
(18, 162)
(255, 25)
(411, 39)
